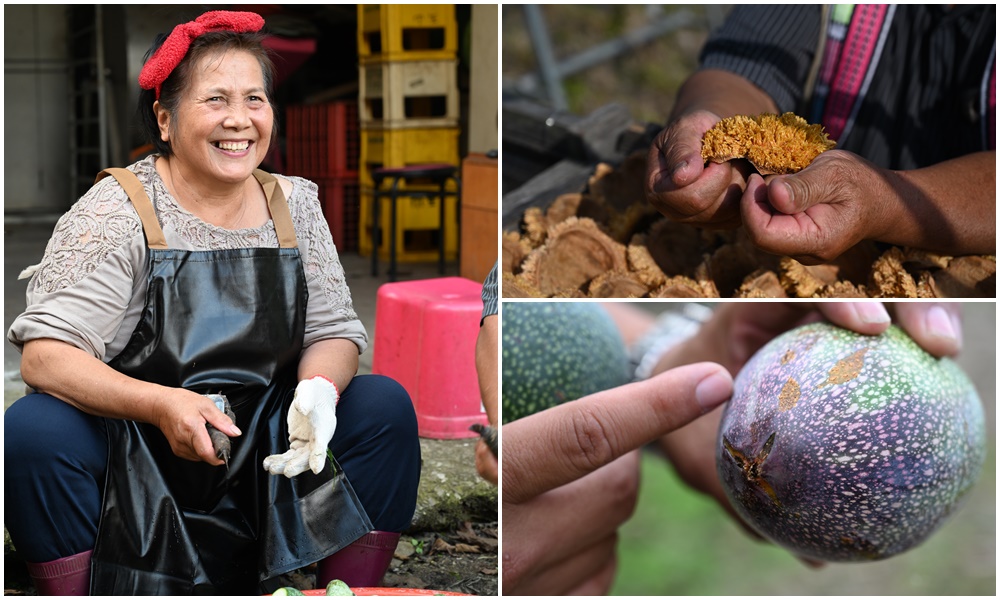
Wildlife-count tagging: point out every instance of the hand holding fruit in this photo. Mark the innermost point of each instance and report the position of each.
(737, 331)
(486, 452)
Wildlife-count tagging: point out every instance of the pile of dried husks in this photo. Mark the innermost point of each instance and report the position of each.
(610, 243)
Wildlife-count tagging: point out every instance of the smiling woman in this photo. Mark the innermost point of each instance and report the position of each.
(211, 121)
(189, 275)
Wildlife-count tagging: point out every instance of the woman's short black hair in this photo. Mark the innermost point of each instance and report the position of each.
(170, 91)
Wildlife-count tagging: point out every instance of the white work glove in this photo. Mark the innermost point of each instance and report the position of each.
(312, 420)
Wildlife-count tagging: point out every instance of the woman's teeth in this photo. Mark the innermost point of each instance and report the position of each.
(233, 146)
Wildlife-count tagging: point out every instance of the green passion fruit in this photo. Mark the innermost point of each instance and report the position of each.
(554, 352)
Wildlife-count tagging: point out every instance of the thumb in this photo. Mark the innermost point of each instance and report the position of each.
(684, 160)
(793, 194)
(937, 327)
(222, 422)
(324, 426)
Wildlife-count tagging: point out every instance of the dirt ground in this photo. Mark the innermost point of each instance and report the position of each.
(463, 560)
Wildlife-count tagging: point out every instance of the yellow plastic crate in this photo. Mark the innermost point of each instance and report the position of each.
(422, 93)
(417, 228)
(407, 32)
(405, 147)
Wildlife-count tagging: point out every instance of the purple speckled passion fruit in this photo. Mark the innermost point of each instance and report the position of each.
(845, 447)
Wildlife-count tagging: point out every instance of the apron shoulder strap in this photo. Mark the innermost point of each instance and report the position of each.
(278, 206)
(143, 205)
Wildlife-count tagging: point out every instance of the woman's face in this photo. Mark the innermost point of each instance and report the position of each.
(221, 129)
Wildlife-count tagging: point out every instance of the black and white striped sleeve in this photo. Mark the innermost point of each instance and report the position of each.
(772, 46)
(490, 290)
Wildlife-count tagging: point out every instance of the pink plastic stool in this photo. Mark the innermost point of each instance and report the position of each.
(425, 338)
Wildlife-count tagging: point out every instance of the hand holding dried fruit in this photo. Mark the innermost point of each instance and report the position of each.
(681, 186)
(816, 215)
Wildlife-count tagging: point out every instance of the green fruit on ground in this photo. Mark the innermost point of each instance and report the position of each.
(845, 447)
(554, 352)
(338, 588)
(287, 591)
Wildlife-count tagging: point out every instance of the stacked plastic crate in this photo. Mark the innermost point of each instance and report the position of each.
(408, 103)
(322, 144)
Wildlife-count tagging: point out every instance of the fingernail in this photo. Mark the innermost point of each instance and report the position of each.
(234, 430)
(939, 323)
(677, 168)
(872, 312)
(788, 190)
(713, 390)
(781, 181)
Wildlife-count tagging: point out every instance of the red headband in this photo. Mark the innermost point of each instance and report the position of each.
(175, 47)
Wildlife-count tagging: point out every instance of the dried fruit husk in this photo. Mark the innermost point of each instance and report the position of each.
(889, 279)
(761, 284)
(773, 144)
(575, 252)
(681, 286)
(515, 249)
(617, 284)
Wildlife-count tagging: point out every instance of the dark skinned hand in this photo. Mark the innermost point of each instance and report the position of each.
(817, 214)
(681, 186)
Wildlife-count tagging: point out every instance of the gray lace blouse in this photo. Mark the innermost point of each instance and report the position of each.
(90, 287)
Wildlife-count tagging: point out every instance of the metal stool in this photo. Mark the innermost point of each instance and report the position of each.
(439, 173)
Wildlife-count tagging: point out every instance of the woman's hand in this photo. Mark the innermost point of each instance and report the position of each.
(571, 477)
(183, 422)
(89, 384)
(681, 186)
(312, 421)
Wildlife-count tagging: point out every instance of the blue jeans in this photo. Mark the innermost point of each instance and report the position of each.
(55, 457)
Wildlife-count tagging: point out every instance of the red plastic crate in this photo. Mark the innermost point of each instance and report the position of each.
(425, 339)
(340, 198)
(323, 140)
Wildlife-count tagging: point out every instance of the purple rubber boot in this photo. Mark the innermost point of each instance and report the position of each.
(68, 576)
(361, 564)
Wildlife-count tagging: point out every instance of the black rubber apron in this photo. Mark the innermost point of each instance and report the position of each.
(230, 322)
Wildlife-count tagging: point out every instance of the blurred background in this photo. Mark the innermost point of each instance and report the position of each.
(583, 84)
(635, 55)
(680, 542)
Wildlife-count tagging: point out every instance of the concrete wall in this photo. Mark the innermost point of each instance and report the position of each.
(36, 110)
(484, 73)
